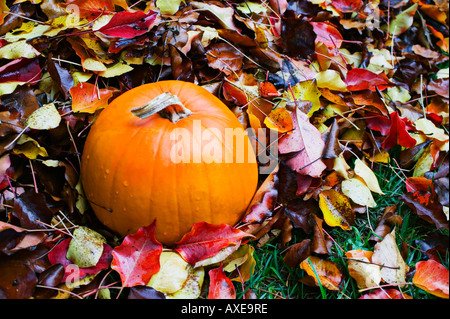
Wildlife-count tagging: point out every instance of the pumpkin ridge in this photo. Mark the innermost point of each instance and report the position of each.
(115, 178)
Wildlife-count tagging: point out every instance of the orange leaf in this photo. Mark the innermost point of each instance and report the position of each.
(280, 120)
(432, 277)
(322, 270)
(88, 99)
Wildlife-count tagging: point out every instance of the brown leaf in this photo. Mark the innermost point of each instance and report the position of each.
(387, 221)
(425, 207)
(224, 57)
(297, 253)
(181, 65)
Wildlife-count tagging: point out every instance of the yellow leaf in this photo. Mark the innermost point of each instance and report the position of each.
(429, 129)
(168, 6)
(28, 30)
(173, 274)
(341, 167)
(29, 147)
(192, 287)
(305, 91)
(331, 80)
(424, 163)
(358, 192)
(336, 209)
(363, 171)
(44, 118)
(116, 69)
(86, 247)
(17, 50)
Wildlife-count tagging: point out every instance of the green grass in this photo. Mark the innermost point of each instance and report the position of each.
(273, 279)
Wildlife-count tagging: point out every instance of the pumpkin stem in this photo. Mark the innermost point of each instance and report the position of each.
(166, 105)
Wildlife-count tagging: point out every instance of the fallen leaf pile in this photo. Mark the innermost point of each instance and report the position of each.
(348, 87)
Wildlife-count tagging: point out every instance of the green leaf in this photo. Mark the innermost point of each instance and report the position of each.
(403, 21)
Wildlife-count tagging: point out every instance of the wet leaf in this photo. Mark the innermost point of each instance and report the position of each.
(137, 258)
(86, 247)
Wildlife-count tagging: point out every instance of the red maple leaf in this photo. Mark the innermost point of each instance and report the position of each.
(137, 258)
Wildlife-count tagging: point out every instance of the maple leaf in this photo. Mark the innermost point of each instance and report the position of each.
(137, 258)
(206, 240)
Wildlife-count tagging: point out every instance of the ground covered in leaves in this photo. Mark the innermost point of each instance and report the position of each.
(356, 92)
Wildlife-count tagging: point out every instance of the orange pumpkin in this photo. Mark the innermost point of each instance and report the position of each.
(137, 166)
